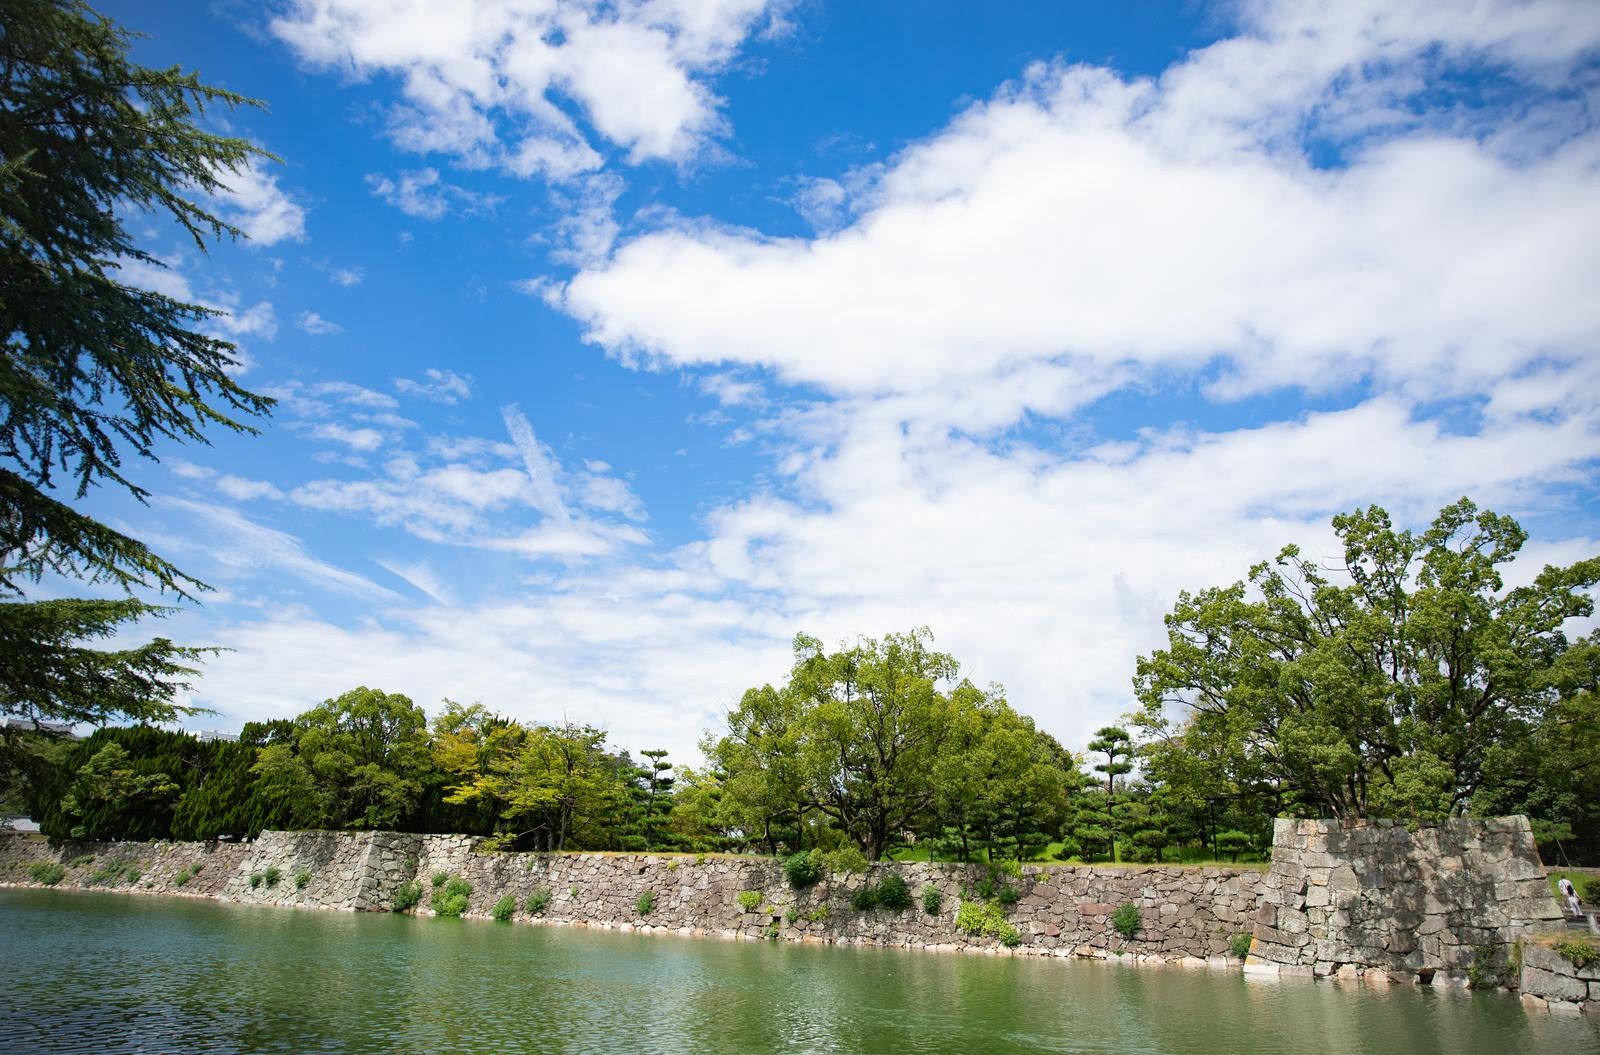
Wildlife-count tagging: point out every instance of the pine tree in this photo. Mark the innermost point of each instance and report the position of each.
(96, 369)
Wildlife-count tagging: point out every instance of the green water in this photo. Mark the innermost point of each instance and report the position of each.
(115, 973)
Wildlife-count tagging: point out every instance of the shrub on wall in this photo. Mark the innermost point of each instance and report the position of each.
(406, 897)
(749, 899)
(440, 878)
(1239, 945)
(893, 894)
(1126, 920)
(271, 875)
(504, 908)
(803, 869)
(645, 903)
(301, 878)
(255, 880)
(864, 898)
(932, 899)
(452, 898)
(47, 872)
(539, 900)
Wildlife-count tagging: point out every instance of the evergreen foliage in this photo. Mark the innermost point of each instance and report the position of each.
(97, 369)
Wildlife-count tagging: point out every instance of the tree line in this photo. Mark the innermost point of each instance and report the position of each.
(1406, 682)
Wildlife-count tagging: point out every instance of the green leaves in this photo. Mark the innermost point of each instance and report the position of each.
(1379, 688)
(94, 369)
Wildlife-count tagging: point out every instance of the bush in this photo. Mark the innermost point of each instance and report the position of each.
(1578, 951)
(539, 900)
(406, 897)
(792, 916)
(1589, 888)
(645, 903)
(255, 880)
(301, 878)
(271, 875)
(803, 869)
(1126, 919)
(113, 871)
(749, 899)
(865, 898)
(195, 868)
(1008, 894)
(979, 918)
(818, 914)
(133, 874)
(182, 877)
(1009, 936)
(771, 933)
(893, 893)
(439, 879)
(1239, 946)
(931, 900)
(81, 861)
(452, 898)
(847, 860)
(504, 908)
(47, 872)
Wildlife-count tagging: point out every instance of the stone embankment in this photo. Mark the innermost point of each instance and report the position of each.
(1374, 900)
(1549, 980)
(1185, 913)
(1381, 900)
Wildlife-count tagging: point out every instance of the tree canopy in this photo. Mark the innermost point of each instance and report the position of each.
(1388, 691)
(97, 369)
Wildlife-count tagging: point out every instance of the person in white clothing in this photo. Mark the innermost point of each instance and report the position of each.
(1569, 894)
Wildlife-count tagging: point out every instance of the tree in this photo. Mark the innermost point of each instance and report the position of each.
(94, 368)
(1388, 691)
(357, 761)
(107, 789)
(1113, 742)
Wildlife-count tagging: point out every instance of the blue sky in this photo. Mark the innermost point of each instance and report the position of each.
(618, 342)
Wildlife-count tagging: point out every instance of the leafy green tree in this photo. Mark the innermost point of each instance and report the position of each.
(765, 796)
(1388, 690)
(874, 728)
(96, 369)
(108, 789)
(1001, 785)
(357, 761)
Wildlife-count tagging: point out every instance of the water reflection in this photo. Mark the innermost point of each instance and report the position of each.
(111, 973)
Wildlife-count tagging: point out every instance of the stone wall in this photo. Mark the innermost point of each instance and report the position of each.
(189, 869)
(1062, 911)
(356, 871)
(1186, 913)
(1378, 899)
(1550, 980)
(1374, 899)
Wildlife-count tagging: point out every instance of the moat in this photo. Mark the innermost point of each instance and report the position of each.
(90, 972)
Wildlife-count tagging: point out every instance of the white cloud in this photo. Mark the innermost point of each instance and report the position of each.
(242, 489)
(478, 494)
(1081, 229)
(255, 204)
(1076, 236)
(316, 325)
(241, 545)
(362, 439)
(347, 276)
(441, 386)
(497, 82)
(423, 193)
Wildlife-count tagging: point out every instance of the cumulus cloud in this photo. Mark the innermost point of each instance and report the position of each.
(506, 83)
(255, 204)
(1301, 207)
(1080, 228)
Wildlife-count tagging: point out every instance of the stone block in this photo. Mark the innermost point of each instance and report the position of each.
(1553, 986)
